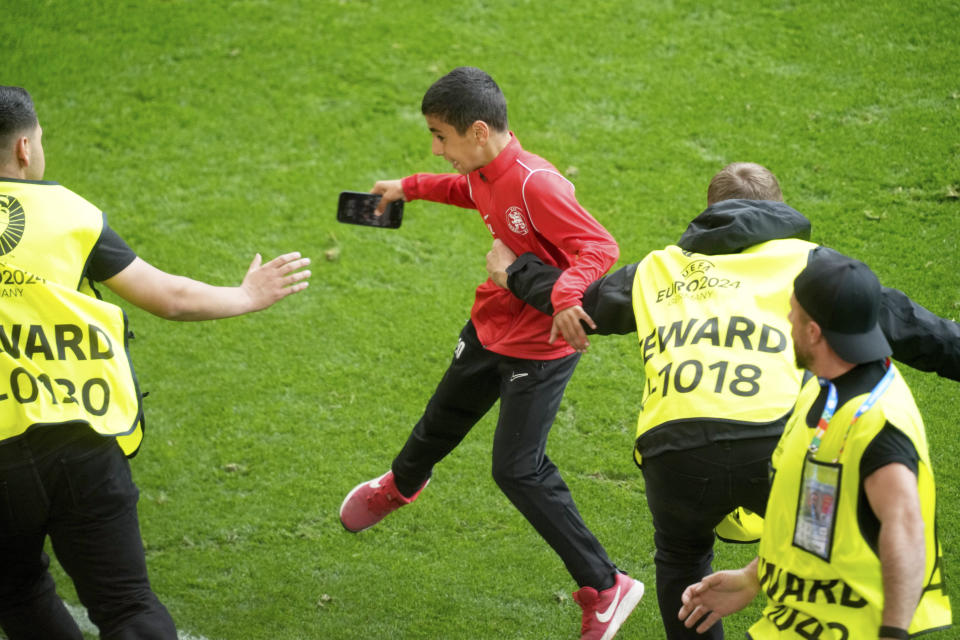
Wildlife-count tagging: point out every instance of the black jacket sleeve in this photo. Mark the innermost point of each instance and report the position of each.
(920, 338)
(532, 281)
(607, 300)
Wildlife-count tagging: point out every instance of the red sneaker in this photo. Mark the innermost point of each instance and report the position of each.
(604, 611)
(370, 502)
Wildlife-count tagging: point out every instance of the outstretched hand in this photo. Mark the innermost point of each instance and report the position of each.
(268, 283)
(718, 595)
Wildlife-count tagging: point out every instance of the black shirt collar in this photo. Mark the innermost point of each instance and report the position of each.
(859, 380)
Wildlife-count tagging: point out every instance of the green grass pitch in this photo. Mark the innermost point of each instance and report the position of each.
(209, 131)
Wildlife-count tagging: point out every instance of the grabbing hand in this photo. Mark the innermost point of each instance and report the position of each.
(498, 259)
(268, 283)
(567, 323)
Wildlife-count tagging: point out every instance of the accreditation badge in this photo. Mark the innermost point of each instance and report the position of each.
(817, 508)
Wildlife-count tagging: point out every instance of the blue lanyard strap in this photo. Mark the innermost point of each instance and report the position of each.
(831, 406)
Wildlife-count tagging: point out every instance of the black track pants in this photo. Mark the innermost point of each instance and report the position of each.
(529, 392)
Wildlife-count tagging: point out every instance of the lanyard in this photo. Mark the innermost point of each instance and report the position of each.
(831, 406)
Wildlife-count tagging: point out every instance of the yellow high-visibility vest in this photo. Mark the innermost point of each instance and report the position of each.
(63, 351)
(835, 590)
(714, 335)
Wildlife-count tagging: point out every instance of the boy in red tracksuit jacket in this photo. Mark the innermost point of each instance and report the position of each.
(504, 351)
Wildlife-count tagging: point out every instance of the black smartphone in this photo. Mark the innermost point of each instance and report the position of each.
(356, 207)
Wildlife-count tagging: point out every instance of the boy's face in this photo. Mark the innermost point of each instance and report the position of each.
(463, 152)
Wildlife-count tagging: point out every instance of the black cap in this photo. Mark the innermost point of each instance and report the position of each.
(843, 296)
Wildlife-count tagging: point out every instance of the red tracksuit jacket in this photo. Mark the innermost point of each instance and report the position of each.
(525, 202)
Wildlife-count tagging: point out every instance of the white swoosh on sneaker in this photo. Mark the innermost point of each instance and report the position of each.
(604, 617)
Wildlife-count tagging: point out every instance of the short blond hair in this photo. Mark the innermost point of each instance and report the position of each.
(746, 180)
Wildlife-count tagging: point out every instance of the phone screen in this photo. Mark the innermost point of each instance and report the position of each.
(356, 207)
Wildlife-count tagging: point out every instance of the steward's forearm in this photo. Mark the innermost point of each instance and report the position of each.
(608, 301)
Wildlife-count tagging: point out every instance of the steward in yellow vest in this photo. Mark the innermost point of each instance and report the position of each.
(819, 561)
(849, 546)
(714, 340)
(710, 315)
(63, 351)
(70, 409)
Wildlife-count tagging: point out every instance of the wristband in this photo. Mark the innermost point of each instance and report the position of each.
(894, 632)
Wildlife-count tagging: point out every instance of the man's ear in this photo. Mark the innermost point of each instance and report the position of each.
(21, 149)
(481, 132)
(814, 332)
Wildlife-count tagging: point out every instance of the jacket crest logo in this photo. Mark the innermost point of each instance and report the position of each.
(515, 221)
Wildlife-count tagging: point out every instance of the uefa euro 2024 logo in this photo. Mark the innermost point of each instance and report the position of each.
(11, 223)
(701, 279)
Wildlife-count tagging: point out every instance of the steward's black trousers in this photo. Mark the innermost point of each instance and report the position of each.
(75, 486)
(529, 393)
(689, 493)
